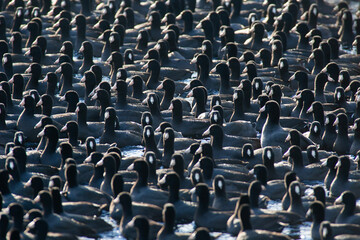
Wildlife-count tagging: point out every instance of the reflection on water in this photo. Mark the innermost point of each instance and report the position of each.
(186, 228)
(274, 205)
(115, 233)
(295, 231)
(133, 151)
(298, 231)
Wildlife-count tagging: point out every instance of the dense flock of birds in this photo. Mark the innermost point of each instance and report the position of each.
(233, 103)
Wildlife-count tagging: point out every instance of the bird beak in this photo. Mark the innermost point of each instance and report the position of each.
(37, 199)
(287, 139)
(206, 133)
(101, 37)
(63, 129)
(292, 78)
(308, 215)
(116, 200)
(39, 103)
(262, 109)
(131, 167)
(298, 96)
(23, 27)
(158, 129)
(108, 61)
(199, 151)
(162, 180)
(94, 97)
(293, 30)
(197, 165)
(100, 163)
(324, 163)
(193, 60)
(28, 183)
(310, 110)
(114, 88)
(145, 66)
(338, 201)
(81, 50)
(58, 70)
(188, 150)
(41, 134)
(330, 79)
(22, 103)
(310, 57)
(286, 154)
(190, 94)
(171, 107)
(87, 160)
(161, 86)
(145, 100)
(38, 125)
(187, 87)
(97, 25)
(28, 70)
